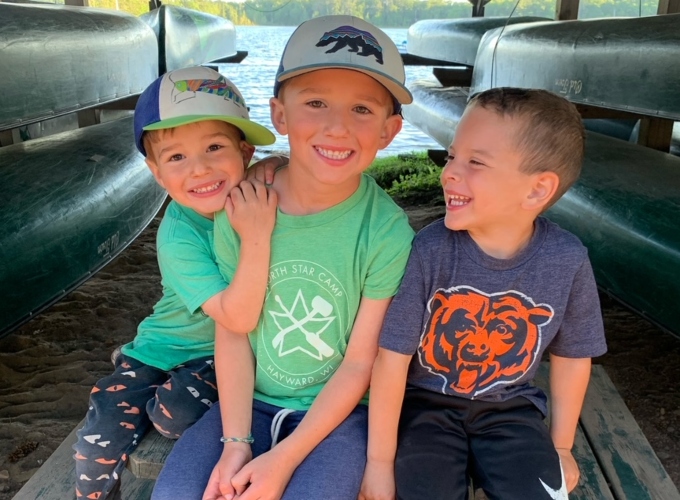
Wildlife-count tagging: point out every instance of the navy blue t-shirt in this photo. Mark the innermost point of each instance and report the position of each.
(478, 325)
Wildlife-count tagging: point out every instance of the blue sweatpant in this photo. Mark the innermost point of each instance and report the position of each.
(333, 471)
(121, 408)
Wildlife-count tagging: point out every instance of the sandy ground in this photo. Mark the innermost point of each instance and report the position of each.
(48, 366)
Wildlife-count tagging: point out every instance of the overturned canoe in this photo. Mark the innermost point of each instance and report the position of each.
(72, 198)
(58, 59)
(625, 208)
(455, 40)
(188, 37)
(622, 64)
(71, 202)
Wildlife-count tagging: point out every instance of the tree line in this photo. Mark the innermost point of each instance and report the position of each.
(385, 13)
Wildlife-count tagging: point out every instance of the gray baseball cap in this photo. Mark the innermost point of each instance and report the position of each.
(344, 42)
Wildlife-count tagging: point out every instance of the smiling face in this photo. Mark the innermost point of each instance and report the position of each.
(336, 121)
(484, 186)
(199, 163)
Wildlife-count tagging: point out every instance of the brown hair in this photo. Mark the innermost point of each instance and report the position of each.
(551, 136)
(150, 137)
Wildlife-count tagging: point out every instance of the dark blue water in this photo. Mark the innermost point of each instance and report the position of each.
(255, 78)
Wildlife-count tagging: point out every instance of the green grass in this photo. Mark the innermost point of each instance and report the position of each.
(410, 179)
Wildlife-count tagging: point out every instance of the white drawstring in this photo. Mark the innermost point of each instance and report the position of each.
(276, 424)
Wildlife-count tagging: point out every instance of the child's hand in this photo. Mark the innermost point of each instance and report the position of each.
(569, 467)
(251, 209)
(264, 169)
(378, 482)
(265, 478)
(234, 457)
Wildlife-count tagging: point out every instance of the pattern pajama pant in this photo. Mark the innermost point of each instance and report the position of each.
(121, 408)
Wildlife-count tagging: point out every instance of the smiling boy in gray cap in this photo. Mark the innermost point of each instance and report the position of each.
(338, 254)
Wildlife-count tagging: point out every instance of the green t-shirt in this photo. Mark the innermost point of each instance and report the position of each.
(321, 267)
(178, 330)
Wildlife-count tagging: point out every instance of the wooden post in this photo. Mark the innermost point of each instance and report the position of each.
(668, 7)
(567, 10)
(77, 3)
(656, 133)
(87, 117)
(6, 138)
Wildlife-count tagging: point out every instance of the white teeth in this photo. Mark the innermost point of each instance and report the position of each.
(455, 200)
(334, 155)
(207, 189)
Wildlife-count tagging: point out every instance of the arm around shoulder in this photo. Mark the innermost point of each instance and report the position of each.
(251, 210)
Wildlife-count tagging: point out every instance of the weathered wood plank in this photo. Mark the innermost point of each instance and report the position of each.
(566, 10)
(592, 483)
(148, 458)
(626, 457)
(656, 133)
(456, 76)
(55, 480)
(668, 7)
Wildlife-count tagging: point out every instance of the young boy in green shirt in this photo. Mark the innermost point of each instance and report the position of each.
(338, 253)
(193, 128)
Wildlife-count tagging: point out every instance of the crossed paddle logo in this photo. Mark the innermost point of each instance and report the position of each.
(314, 322)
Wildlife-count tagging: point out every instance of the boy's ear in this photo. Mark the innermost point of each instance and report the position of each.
(391, 128)
(247, 151)
(543, 188)
(278, 116)
(154, 170)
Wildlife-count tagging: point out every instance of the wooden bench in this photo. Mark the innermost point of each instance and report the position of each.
(616, 460)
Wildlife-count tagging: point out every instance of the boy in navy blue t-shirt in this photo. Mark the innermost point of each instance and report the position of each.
(487, 290)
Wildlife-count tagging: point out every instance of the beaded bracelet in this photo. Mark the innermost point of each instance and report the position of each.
(247, 440)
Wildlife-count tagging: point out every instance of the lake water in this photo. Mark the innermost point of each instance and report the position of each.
(255, 78)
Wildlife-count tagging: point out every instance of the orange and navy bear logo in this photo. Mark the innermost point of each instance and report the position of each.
(476, 341)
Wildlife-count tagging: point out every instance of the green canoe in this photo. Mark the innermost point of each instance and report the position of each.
(72, 198)
(71, 202)
(188, 38)
(455, 40)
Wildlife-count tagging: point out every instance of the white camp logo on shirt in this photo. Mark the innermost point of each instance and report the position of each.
(304, 329)
(310, 321)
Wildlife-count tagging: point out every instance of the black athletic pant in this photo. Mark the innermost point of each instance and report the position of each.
(505, 447)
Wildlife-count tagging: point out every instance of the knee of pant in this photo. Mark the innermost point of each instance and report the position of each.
(170, 421)
(165, 432)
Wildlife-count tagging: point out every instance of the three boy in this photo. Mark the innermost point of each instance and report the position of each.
(485, 293)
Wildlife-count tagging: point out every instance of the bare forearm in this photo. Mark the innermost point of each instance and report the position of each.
(241, 302)
(235, 368)
(568, 383)
(388, 384)
(238, 307)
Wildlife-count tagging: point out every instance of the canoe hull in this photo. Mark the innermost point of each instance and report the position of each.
(189, 38)
(78, 68)
(71, 203)
(455, 40)
(611, 63)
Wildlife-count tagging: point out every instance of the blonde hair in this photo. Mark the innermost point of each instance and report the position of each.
(551, 135)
